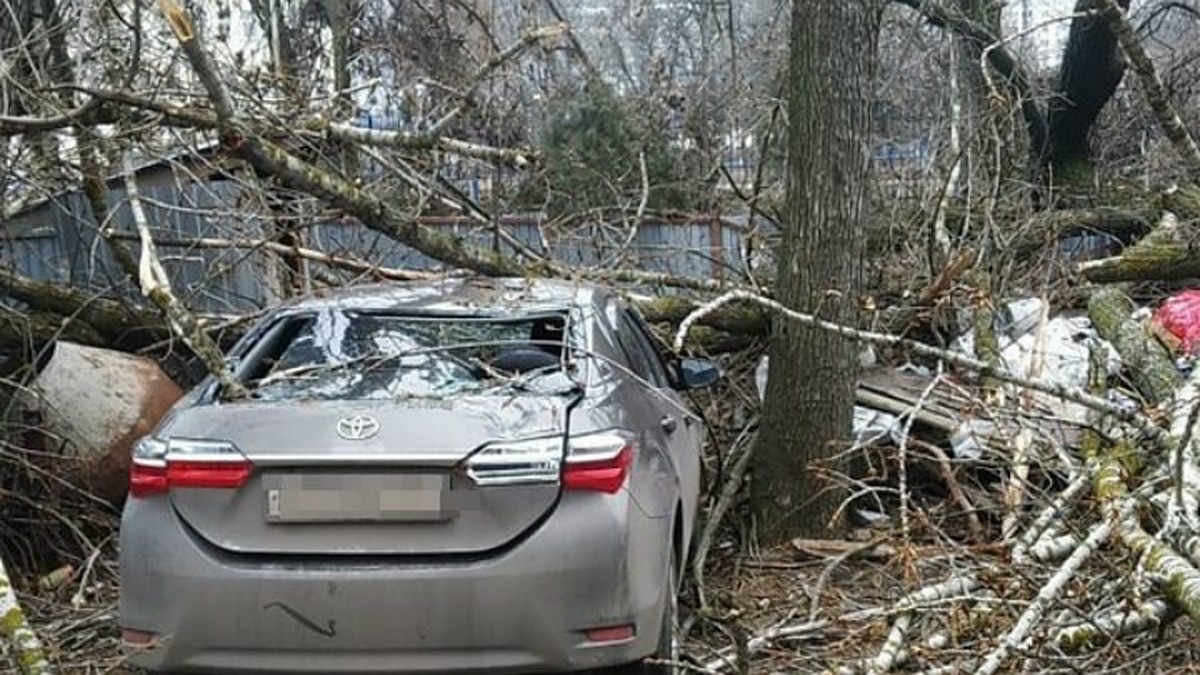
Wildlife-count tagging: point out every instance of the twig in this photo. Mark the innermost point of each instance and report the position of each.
(1048, 594)
(905, 528)
(1014, 493)
(956, 491)
(1074, 394)
(725, 500)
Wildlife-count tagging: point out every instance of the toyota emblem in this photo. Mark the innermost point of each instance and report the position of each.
(357, 427)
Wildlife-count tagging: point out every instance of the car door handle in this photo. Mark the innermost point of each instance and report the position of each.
(669, 424)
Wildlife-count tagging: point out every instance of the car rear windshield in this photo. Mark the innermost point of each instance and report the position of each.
(337, 354)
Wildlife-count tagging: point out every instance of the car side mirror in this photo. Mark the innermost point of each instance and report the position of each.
(696, 374)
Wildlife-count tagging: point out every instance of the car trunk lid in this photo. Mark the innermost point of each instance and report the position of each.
(325, 485)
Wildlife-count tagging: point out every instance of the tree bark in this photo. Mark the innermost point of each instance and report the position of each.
(1154, 373)
(1091, 71)
(1166, 254)
(810, 389)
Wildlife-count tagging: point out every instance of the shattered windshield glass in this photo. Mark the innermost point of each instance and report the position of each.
(334, 354)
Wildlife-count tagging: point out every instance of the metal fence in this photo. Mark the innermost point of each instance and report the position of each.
(58, 240)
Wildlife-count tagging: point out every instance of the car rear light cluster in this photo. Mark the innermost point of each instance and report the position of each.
(157, 466)
(597, 462)
(517, 463)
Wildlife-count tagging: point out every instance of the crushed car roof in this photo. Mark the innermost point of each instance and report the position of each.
(458, 295)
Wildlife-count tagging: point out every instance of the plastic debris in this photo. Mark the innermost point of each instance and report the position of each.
(1058, 350)
(1177, 322)
(969, 440)
(1089, 246)
(872, 425)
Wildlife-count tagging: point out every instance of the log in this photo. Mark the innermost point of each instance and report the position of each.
(32, 329)
(1145, 359)
(1047, 227)
(1168, 254)
(110, 318)
(1183, 201)
(743, 320)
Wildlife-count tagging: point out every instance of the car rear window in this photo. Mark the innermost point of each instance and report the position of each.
(335, 354)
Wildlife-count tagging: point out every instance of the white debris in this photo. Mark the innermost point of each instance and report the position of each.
(1058, 351)
(872, 425)
(968, 440)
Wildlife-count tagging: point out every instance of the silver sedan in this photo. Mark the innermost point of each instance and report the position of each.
(465, 475)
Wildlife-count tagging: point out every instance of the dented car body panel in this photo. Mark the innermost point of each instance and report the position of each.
(455, 476)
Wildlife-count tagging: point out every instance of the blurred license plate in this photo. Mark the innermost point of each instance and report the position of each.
(325, 498)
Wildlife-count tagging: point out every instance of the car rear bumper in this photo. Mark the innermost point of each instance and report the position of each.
(525, 610)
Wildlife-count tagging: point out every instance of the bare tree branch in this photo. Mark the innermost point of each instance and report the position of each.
(1156, 93)
(156, 286)
(1000, 58)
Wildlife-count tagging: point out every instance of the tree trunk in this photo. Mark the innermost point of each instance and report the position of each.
(810, 390)
(1092, 69)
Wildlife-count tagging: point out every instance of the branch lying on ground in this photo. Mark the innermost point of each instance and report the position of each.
(1052, 225)
(725, 500)
(1166, 254)
(1016, 637)
(109, 317)
(1153, 371)
(958, 587)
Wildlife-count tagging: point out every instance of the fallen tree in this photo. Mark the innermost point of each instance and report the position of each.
(1146, 495)
(1166, 254)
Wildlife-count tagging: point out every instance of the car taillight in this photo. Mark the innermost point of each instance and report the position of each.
(598, 462)
(157, 466)
(524, 462)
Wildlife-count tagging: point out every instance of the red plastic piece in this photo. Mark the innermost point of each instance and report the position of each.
(1178, 321)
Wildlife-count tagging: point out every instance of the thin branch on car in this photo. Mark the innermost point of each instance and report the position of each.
(156, 286)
